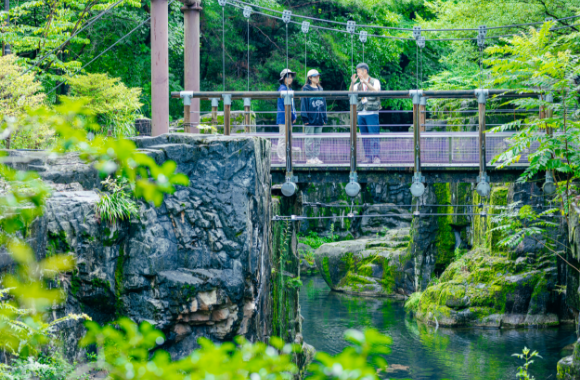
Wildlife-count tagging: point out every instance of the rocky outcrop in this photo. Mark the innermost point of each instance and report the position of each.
(379, 266)
(569, 366)
(198, 265)
(491, 290)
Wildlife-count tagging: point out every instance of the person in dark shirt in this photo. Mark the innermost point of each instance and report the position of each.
(286, 78)
(313, 111)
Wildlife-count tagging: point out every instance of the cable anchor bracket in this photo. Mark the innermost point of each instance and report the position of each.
(305, 27)
(247, 11)
(222, 2)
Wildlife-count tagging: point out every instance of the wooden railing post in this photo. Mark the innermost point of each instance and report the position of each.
(227, 110)
(186, 111)
(247, 108)
(214, 109)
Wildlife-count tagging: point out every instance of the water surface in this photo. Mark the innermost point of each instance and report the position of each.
(421, 352)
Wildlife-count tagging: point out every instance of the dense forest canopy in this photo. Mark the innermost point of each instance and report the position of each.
(39, 29)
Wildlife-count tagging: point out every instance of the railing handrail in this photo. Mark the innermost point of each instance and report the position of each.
(447, 94)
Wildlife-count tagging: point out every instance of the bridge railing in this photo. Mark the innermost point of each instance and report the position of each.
(415, 149)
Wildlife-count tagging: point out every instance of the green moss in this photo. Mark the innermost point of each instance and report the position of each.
(412, 304)
(57, 243)
(326, 270)
(75, 284)
(477, 280)
(445, 240)
(96, 282)
(119, 289)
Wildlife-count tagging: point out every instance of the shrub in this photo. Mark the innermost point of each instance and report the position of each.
(19, 91)
(116, 205)
(115, 105)
(412, 304)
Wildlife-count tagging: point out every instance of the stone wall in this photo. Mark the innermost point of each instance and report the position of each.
(198, 265)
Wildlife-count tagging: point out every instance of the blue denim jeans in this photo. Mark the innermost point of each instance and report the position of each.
(369, 125)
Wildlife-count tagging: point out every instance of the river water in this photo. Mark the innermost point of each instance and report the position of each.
(421, 352)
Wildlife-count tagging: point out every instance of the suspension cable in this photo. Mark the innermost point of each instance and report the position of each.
(224, 47)
(95, 19)
(408, 29)
(287, 46)
(248, 89)
(106, 50)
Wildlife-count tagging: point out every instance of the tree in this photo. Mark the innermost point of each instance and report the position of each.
(114, 105)
(540, 63)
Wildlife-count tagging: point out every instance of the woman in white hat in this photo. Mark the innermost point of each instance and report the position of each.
(286, 78)
(313, 111)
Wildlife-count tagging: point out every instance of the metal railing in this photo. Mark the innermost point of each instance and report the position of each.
(415, 149)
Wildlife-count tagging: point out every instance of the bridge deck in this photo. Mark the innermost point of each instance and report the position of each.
(395, 150)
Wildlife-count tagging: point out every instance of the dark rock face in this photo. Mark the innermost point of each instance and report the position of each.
(569, 367)
(199, 265)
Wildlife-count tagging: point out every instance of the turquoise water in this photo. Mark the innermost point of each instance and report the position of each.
(422, 352)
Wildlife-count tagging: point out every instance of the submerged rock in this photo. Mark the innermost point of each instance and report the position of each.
(486, 290)
(380, 266)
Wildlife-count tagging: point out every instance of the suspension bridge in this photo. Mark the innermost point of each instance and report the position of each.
(426, 148)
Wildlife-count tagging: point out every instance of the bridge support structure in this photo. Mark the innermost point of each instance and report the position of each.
(417, 188)
(159, 67)
(191, 11)
(289, 187)
(549, 186)
(483, 187)
(353, 188)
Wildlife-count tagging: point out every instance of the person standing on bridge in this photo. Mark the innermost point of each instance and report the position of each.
(286, 78)
(368, 111)
(313, 111)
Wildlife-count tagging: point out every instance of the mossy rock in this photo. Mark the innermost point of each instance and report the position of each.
(485, 290)
(370, 267)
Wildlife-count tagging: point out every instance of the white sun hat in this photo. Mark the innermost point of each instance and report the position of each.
(313, 73)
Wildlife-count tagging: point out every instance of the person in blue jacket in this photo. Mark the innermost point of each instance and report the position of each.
(313, 111)
(286, 78)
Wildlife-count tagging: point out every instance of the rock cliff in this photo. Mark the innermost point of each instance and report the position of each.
(198, 265)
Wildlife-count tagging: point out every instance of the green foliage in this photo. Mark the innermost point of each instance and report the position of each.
(315, 241)
(19, 91)
(359, 361)
(39, 27)
(523, 370)
(517, 222)
(117, 204)
(114, 105)
(539, 62)
(412, 303)
(45, 367)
